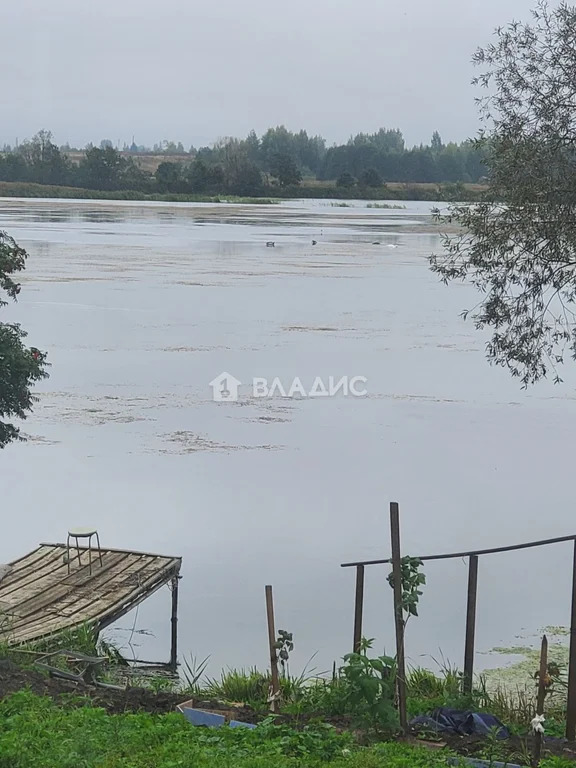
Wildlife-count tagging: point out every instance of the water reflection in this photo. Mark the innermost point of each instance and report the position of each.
(100, 217)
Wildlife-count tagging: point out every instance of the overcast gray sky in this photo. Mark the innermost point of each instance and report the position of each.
(194, 71)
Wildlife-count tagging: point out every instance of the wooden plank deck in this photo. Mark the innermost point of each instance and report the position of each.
(38, 597)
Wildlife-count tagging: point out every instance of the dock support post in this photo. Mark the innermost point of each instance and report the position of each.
(358, 608)
(174, 624)
(470, 623)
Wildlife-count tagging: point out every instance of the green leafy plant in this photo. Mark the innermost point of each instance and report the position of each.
(493, 750)
(370, 687)
(412, 579)
(160, 684)
(284, 645)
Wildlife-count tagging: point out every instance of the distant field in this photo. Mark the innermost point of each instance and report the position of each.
(147, 162)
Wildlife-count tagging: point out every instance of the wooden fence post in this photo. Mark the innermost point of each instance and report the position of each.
(275, 687)
(398, 613)
(174, 625)
(358, 608)
(470, 623)
(542, 678)
(571, 705)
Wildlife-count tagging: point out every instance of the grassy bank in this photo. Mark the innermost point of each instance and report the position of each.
(24, 189)
(390, 191)
(346, 720)
(37, 733)
(309, 190)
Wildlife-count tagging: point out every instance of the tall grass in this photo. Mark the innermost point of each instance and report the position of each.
(427, 691)
(247, 687)
(192, 671)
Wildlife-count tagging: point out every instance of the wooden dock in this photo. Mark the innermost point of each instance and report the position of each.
(41, 596)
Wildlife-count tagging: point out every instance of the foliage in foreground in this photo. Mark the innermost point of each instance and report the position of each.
(20, 366)
(518, 246)
(36, 732)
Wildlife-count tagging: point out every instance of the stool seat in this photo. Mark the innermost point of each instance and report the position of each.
(83, 533)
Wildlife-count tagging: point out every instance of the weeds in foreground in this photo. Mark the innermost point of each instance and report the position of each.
(362, 690)
(516, 706)
(249, 687)
(192, 671)
(34, 731)
(83, 639)
(427, 691)
(370, 687)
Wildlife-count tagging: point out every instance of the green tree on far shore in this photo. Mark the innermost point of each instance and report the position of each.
(102, 168)
(168, 176)
(44, 160)
(346, 180)
(370, 178)
(285, 169)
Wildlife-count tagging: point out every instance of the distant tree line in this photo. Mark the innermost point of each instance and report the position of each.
(278, 159)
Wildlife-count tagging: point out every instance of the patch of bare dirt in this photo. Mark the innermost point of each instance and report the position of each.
(13, 679)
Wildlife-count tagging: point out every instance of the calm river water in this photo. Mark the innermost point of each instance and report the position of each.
(142, 306)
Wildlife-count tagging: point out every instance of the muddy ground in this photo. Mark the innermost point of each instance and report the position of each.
(13, 679)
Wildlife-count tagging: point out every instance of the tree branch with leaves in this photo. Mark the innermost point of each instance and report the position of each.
(518, 245)
(20, 366)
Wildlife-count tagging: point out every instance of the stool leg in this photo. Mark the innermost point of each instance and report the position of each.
(78, 552)
(90, 555)
(99, 550)
(68, 552)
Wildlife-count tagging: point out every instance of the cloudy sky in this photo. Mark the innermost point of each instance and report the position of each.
(194, 70)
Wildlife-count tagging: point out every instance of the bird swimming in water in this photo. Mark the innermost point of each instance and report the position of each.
(270, 244)
(314, 242)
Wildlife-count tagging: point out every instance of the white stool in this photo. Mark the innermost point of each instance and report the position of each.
(83, 533)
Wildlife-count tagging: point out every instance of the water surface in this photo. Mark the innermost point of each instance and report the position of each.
(141, 306)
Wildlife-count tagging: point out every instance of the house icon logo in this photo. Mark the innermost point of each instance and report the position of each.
(225, 388)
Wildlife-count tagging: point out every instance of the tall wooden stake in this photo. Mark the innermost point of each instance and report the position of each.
(273, 655)
(398, 613)
(571, 706)
(358, 608)
(542, 677)
(470, 623)
(174, 625)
